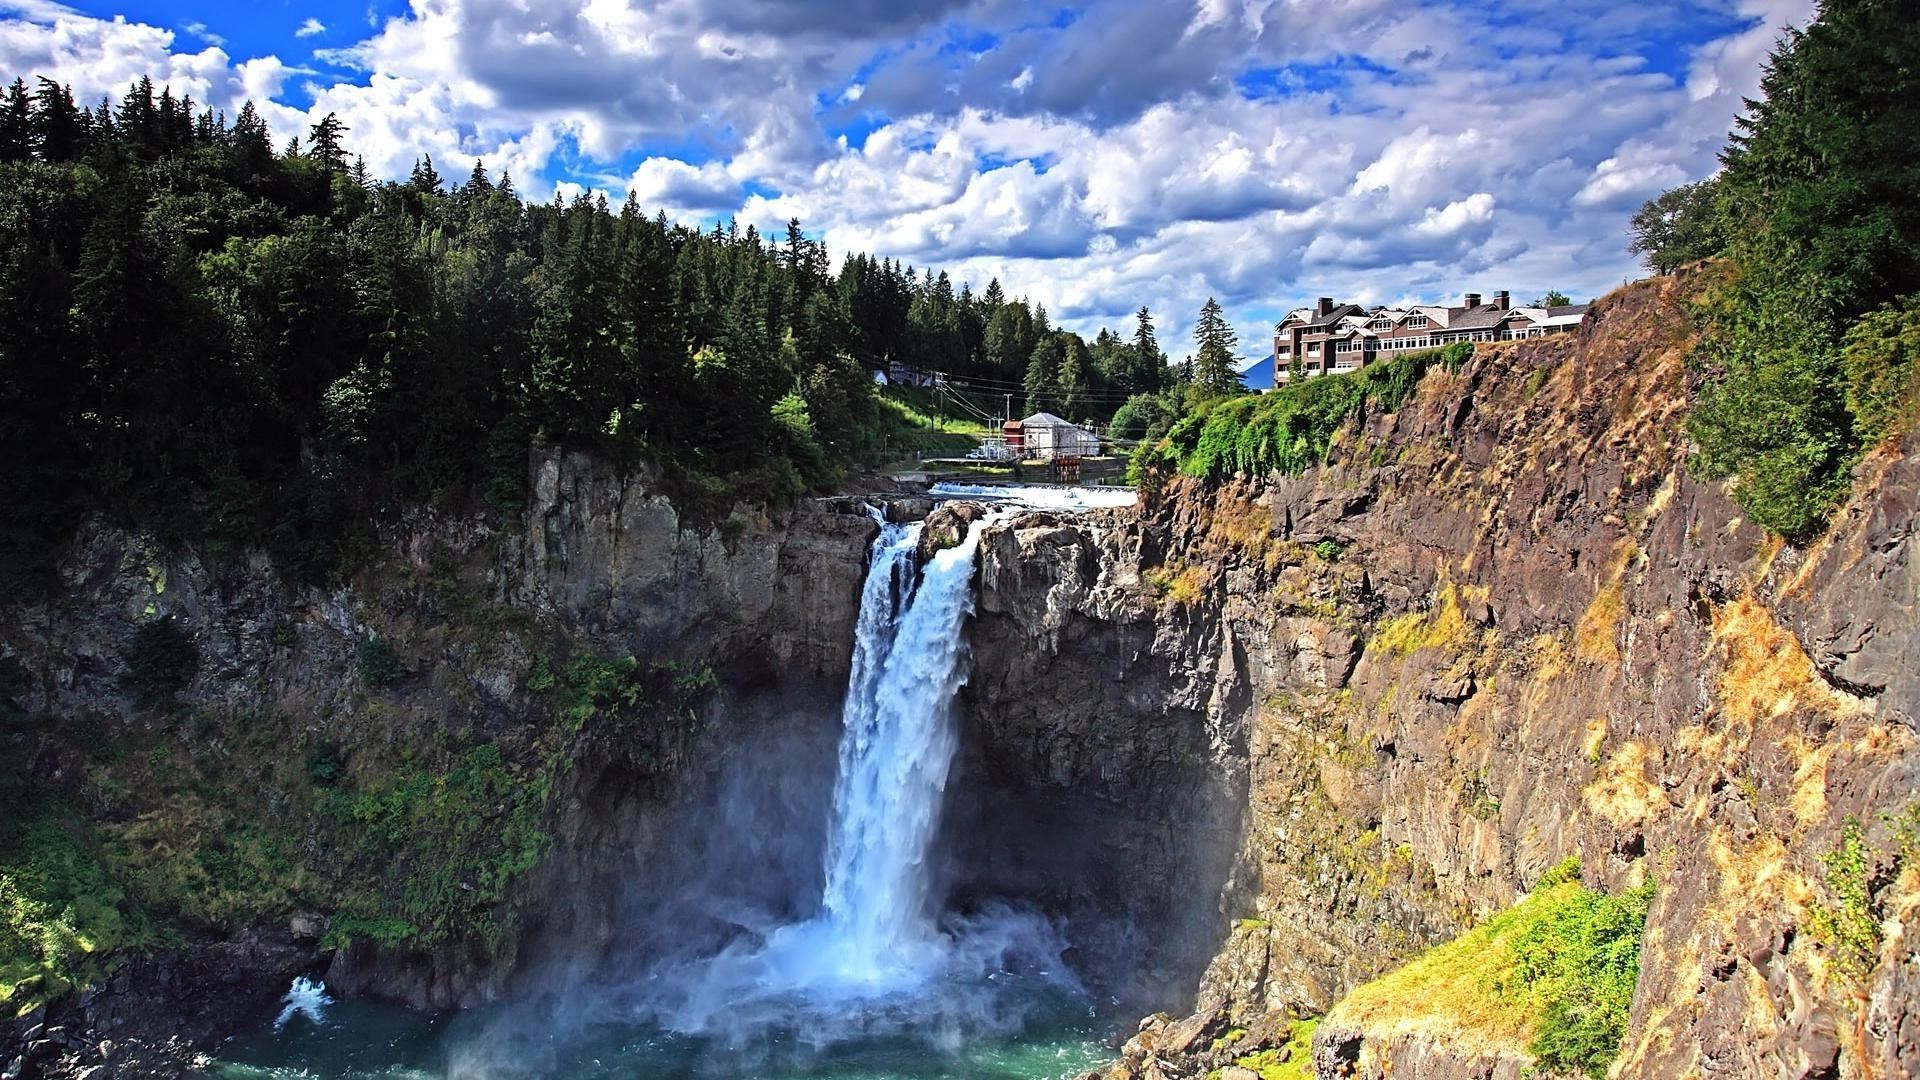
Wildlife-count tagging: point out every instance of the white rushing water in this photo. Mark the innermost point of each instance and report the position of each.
(874, 957)
(1038, 496)
(307, 998)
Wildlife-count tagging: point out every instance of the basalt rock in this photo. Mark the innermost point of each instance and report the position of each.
(757, 612)
(1326, 721)
(946, 526)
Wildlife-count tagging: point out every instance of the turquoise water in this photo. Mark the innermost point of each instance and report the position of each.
(364, 1041)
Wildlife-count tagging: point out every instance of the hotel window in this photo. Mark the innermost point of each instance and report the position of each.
(1416, 322)
(1313, 349)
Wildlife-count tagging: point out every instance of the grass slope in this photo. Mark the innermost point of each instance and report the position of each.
(1550, 978)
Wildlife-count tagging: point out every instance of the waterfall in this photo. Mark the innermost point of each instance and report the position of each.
(874, 957)
(895, 750)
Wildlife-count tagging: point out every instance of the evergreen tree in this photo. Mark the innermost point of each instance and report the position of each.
(1214, 375)
(324, 146)
(424, 178)
(1149, 363)
(1821, 196)
(1042, 377)
(250, 144)
(16, 123)
(1070, 381)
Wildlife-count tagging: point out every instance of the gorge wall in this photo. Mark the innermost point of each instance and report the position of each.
(1305, 727)
(501, 748)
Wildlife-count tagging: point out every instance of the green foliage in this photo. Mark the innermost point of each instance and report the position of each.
(325, 764)
(1567, 870)
(816, 469)
(61, 912)
(379, 665)
(1214, 342)
(1821, 201)
(161, 661)
(1555, 972)
(1328, 550)
(596, 683)
(1294, 1061)
(1681, 226)
(1880, 364)
(1288, 429)
(453, 842)
(1583, 961)
(1145, 416)
(1849, 925)
(541, 678)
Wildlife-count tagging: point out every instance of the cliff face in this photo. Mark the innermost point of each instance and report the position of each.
(1501, 627)
(443, 779)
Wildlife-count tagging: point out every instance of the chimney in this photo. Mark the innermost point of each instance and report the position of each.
(1502, 300)
(1473, 300)
(1325, 307)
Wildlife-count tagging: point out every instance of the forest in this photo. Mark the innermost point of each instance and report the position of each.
(238, 345)
(1810, 351)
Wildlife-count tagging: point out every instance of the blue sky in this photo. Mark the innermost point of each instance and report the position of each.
(1094, 156)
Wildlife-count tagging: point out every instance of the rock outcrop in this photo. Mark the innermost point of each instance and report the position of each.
(739, 638)
(1500, 627)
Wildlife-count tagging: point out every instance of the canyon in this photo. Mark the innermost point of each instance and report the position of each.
(1251, 745)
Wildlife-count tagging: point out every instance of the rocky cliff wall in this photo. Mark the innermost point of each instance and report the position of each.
(1501, 627)
(488, 795)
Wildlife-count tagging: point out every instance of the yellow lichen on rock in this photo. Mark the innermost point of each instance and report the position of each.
(1620, 792)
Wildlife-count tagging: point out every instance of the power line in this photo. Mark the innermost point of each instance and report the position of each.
(1121, 396)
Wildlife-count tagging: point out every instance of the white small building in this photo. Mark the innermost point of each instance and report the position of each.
(1048, 436)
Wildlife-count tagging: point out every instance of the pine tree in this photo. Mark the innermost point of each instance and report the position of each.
(16, 123)
(1821, 192)
(324, 145)
(1043, 371)
(1070, 381)
(250, 144)
(424, 179)
(1149, 363)
(1213, 371)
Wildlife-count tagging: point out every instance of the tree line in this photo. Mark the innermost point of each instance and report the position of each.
(238, 344)
(1812, 328)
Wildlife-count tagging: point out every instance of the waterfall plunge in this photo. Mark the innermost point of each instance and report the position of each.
(873, 959)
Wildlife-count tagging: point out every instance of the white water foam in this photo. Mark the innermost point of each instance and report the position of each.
(307, 998)
(1038, 496)
(873, 960)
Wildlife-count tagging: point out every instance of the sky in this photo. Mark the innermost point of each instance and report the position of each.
(1094, 156)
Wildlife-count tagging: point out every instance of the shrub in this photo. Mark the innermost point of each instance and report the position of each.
(161, 661)
(60, 911)
(1555, 974)
(1583, 961)
(379, 665)
(325, 764)
(1880, 361)
(1144, 416)
(815, 468)
(1849, 926)
(1287, 430)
